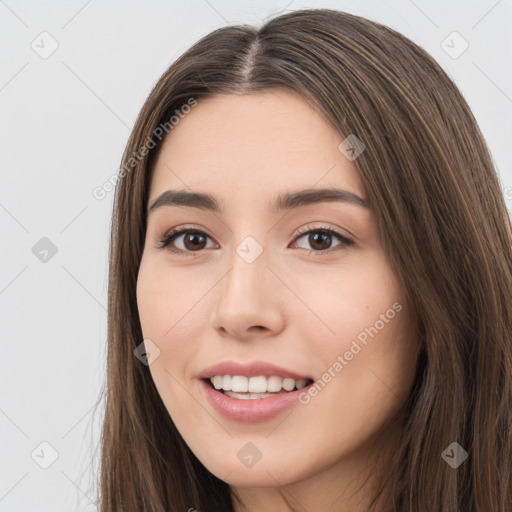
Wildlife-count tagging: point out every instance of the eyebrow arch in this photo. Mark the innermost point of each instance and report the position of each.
(286, 201)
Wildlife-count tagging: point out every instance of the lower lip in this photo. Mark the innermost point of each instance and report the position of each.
(251, 411)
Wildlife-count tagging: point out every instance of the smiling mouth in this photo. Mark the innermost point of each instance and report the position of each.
(254, 388)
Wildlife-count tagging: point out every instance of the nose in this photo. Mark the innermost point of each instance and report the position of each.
(248, 302)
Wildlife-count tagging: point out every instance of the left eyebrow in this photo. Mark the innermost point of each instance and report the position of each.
(286, 201)
(292, 200)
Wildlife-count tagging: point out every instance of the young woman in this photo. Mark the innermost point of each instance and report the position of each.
(310, 283)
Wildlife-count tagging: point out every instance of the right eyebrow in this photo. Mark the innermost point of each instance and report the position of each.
(184, 198)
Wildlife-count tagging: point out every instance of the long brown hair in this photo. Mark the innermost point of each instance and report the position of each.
(444, 225)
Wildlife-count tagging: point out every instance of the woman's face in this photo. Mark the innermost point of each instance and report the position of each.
(260, 283)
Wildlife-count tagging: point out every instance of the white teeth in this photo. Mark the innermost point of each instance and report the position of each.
(240, 383)
(254, 385)
(226, 382)
(257, 384)
(288, 384)
(299, 384)
(274, 384)
(248, 396)
(217, 381)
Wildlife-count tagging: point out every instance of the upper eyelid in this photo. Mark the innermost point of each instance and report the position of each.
(301, 231)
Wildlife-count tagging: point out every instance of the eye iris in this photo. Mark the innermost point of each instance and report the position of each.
(313, 240)
(193, 236)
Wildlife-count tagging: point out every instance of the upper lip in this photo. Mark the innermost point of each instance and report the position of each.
(252, 369)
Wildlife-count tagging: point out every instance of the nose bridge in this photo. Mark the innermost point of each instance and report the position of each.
(247, 298)
(248, 268)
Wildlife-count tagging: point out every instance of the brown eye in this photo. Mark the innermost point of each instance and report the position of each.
(187, 240)
(194, 241)
(321, 239)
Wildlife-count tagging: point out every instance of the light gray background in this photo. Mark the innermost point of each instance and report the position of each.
(65, 122)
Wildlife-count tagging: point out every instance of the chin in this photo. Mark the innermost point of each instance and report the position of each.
(261, 474)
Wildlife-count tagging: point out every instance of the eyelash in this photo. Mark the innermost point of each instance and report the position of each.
(171, 235)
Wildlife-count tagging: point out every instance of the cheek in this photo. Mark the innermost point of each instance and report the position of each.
(166, 310)
(347, 300)
(173, 310)
(367, 348)
(166, 298)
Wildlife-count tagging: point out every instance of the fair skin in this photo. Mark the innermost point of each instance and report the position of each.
(290, 307)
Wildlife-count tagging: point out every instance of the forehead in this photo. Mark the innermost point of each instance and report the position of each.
(257, 144)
